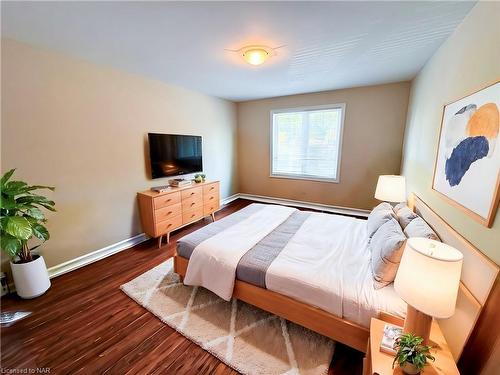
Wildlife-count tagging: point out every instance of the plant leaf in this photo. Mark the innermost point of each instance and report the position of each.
(40, 232)
(11, 245)
(14, 187)
(8, 203)
(6, 177)
(35, 199)
(18, 227)
(36, 187)
(35, 213)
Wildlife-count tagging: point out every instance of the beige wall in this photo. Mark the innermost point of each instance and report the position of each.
(372, 143)
(81, 127)
(467, 61)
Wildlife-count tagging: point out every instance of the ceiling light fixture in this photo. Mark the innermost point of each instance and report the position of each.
(256, 54)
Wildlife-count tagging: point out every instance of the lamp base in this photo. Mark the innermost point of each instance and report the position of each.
(418, 323)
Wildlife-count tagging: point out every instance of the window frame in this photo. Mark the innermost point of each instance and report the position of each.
(336, 180)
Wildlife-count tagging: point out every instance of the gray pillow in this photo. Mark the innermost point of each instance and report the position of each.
(378, 217)
(405, 216)
(419, 228)
(399, 206)
(387, 246)
(382, 206)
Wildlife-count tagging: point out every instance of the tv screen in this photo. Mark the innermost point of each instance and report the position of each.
(174, 155)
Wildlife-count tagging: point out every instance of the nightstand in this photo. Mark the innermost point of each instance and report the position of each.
(377, 362)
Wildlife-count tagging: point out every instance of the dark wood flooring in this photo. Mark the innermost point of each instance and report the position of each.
(85, 324)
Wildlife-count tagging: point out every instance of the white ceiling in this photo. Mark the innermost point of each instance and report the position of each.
(328, 45)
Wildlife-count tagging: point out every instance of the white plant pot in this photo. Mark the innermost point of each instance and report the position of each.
(31, 279)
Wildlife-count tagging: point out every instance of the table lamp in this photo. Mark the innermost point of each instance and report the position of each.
(427, 280)
(391, 188)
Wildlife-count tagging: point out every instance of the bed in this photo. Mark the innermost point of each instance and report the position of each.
(310, 268)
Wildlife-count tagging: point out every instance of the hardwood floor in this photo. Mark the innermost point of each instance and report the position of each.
(85, 324)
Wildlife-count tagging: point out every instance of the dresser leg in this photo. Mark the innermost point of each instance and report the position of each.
(213, 216)
(168, 237)
(159, 242)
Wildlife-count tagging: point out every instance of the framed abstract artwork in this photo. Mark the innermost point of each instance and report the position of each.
(467, 170)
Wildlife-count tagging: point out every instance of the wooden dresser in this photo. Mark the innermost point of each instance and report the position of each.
(162, 213)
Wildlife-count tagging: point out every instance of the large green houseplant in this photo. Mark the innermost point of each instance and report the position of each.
(21, 219)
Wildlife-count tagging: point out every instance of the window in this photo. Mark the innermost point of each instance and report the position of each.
(306, 142)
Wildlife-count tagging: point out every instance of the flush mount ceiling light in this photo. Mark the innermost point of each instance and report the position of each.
(256, 55)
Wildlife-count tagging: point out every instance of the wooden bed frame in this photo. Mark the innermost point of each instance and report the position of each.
(472, 295)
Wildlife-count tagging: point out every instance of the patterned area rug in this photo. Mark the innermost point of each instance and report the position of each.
(248, 339)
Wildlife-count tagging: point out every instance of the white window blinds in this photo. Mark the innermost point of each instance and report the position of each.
(306, 143)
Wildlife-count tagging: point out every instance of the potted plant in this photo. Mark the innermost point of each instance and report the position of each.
(199, 178)
(411, 355)
(22, 219)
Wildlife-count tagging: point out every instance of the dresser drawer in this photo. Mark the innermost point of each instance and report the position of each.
(168, 225)
(168, 212)
(211, 197)
(192, 215)
(211, 188)
(195, 192)
(166, 200)
(210, 207)
(192, 203)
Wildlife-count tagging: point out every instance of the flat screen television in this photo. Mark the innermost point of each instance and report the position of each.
(174, 155)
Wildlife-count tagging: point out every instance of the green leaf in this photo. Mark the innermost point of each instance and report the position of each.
(40, 232)
(19, 227)
(11, 245)
(36, 187)
(6, 178)
(35, 213)
(8, 203)
(35, 199)
(3, 222)
(14, 188)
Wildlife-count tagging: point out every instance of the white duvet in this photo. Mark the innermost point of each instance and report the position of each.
(327, 264)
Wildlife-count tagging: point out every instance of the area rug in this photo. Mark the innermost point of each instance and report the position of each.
(246, 338)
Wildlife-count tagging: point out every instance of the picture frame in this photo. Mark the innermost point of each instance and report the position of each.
(467, 163)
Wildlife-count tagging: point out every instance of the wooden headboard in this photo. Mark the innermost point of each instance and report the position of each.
(477, 279)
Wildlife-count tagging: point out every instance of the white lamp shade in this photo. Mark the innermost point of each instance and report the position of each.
(428, 276)
(391, 188)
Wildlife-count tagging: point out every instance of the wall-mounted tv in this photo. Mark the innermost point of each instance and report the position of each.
(174, 155)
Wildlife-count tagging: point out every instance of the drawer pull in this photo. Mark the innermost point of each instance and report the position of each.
(192, 193)
(192, 204)
(169, 225)
(192, 215)
(211, 197)
(212, 188)
(169, 213)
(168, 200)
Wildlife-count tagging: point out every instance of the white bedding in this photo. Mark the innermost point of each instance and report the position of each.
(213, 262)
(327, 264)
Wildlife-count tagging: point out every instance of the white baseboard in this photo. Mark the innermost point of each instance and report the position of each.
(229, 199)
(94, 256)
(302, 204)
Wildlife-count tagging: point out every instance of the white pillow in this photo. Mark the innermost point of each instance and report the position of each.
(419, 228)
(405, 215)
(379, 215)
(387, 246)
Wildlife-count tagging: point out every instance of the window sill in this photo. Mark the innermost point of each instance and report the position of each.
(305, 178)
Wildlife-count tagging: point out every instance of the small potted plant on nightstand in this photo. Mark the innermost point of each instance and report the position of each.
(411, 355)
(22, 219)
